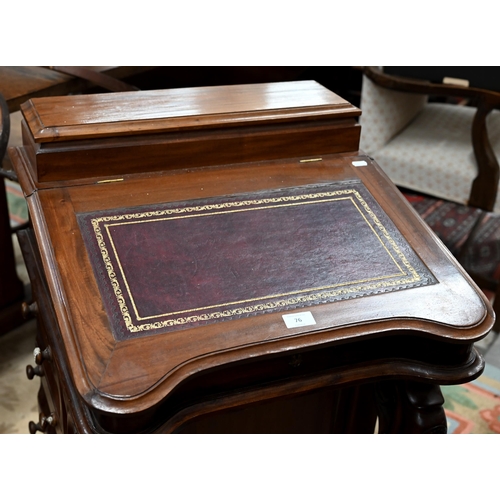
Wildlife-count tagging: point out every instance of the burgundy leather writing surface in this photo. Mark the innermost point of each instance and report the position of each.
(186, 264)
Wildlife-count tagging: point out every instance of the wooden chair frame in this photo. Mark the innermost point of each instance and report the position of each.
(484, 188)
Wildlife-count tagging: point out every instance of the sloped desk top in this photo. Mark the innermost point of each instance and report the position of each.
(118, 355)
(180, 265)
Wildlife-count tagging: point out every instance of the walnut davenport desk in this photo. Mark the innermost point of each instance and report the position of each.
(225, 259)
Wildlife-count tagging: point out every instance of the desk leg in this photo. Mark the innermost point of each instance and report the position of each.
(410, 408)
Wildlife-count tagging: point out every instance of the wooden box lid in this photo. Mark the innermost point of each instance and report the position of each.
(71, 137)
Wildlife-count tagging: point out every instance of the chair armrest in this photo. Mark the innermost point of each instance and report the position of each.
(416, 86)
(485, 186)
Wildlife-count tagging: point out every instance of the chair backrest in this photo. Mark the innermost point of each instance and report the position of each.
(385, 113)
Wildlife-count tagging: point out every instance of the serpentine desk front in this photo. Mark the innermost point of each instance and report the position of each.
(225, 259)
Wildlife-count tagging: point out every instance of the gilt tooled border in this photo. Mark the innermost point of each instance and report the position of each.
(412, 278)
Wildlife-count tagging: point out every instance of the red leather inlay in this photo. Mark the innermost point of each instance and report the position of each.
(185, 264)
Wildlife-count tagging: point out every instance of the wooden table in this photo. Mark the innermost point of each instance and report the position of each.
(17, 85)
(20, 83)
(227, 260)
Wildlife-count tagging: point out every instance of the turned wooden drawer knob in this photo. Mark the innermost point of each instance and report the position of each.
(32, 372)
(34, 428)
(43, 423)
(29, 310)
(41, 356)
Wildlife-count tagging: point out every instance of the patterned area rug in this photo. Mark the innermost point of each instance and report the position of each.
(453, 223)
(18, 210)
(474, 408)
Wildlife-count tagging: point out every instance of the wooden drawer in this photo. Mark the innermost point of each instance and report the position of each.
(56, 398)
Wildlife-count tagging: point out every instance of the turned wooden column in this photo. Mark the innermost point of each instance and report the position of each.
(410, 408)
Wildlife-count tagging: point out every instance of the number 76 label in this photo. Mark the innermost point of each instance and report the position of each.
(298, 319)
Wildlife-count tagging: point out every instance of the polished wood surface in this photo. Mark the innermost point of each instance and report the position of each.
(178, 381)
(184, 128)
(182, 109)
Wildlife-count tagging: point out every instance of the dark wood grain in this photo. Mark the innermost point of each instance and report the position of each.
(184, 128)
(115, 115)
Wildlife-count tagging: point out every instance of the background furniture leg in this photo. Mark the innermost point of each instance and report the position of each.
(11, 287)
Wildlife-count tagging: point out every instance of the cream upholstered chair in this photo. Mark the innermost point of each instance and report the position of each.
(446, 150)
(442, 150)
